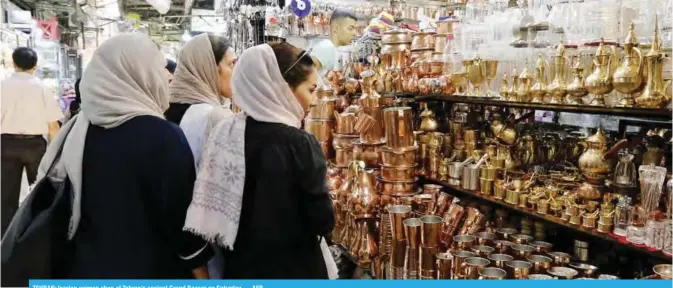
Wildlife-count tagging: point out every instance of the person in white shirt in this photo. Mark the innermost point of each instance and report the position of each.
(29, 111)
(342, 31)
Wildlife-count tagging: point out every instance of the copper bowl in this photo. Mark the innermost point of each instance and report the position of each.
(344, 141)
(541, 247)
(585, 270)
(503, 246)
(343, 156)
(397, 188)
(396, 36)
(320, 128)
(398, 173)
(540, 263)
(562, 272)
(521, 251)
(323, 109)
(390, 48)
(560, 258)
(504, 233)
(369, 153)
(520, 238)
(399, 157)
(499, 260)
(485, 238)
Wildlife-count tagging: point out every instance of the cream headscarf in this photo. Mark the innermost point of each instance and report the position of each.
(261, 93)
(124, 79)
(195, 79)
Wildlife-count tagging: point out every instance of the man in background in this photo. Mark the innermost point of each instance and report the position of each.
(342, 31)
(29, 112)
(170, 67)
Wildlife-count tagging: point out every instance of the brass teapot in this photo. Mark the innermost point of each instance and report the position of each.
(628, 77)
(595, 163)
(428, 120)
(539, 89)
(512, 93)
(599, 82)
(654, 95)
(558, 88)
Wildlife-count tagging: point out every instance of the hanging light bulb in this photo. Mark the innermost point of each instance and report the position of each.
(186, 36)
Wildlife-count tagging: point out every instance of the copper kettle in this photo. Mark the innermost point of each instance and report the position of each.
(595, 163)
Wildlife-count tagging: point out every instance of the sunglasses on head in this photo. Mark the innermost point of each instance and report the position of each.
(301, 56)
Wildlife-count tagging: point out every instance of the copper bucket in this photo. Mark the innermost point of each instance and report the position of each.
(398, 122)
(430, 230)
(398, 213)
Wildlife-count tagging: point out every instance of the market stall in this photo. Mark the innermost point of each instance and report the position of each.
(504, 142)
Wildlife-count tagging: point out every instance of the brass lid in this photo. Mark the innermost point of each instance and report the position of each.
(631, 36)
(599, 137)
(602, 50)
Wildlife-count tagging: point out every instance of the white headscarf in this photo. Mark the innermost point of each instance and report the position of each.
(195, 78)
(261, 93)
(124, 79)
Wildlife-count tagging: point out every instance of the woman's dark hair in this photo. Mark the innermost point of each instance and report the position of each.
(171, 65)
(24, 58)
(294, 70)
(220, 46)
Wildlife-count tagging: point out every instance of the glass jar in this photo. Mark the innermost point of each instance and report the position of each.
(623, 216)
(654, 234)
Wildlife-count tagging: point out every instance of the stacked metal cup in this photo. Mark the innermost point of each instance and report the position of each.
(320, 119)
(430, 228)
(345, 136)
(398, 244)
(398, 172)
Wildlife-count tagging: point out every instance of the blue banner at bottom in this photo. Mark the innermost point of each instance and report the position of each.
(345, 283)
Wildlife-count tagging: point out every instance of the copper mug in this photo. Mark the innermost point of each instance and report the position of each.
(463, 242)
(503, 246)
(492, 273)
(541, 247)
(458, 264)
(485, 238)
(499, 260)
(430, 230)
(520, 238)
(518, 269)
(428, 268)
(398, 127)
(562, 272)
(472, 266)
(504, 233)
(560, 258)
(482, 250)
(540, 263)
(585, 270)
(522, 252)
(397, 214)
(444, 263)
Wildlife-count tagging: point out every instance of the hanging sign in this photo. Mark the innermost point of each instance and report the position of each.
(301, 8)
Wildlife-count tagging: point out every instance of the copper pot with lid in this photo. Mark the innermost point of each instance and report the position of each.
(423, 40)
(396, 36)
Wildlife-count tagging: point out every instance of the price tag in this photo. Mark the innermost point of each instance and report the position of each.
(301, 8)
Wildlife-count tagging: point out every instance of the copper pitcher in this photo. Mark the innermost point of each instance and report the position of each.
(370, 102)
(654, 95)
(628, 77)
(365, 202)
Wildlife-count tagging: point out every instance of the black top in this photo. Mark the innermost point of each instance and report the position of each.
(285, 206)
(176, 111)
(137, 183)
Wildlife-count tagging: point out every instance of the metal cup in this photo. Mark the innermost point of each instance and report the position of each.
(540, 263)
(560, 258)
(483, 250)
(444, 262)
(562, 272)
(431, 227)
(398, 127)
(499, 260)
(473, 265)
(412, 231)
(503, 246)
(518, 269)
(520, 238)
(485, 238)
(397, 215)
(522, 252)
(492, 273)
(428, 263)
(503, 233)
(539, 277)
(457, 266)
(541, 247)
(463, 242)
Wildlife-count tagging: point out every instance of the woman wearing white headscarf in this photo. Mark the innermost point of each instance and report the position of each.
(260, 191)
(201, 88)
(131, 171)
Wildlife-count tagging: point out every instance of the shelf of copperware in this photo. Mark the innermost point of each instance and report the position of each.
(592, 233)
(664, 114)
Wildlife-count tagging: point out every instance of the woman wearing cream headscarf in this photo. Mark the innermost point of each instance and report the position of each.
(200, 90)
(131, 171)
(260, 191)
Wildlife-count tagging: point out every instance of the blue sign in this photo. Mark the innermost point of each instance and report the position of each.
(301, 8)
(342, 284)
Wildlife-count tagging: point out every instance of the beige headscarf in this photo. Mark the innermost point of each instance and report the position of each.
(124, 79)
(195, 79)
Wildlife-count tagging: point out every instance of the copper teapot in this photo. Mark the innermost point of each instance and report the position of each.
(595, 163)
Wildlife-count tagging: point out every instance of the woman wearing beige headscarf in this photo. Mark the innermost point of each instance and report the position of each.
(129, 206)
(200, 90)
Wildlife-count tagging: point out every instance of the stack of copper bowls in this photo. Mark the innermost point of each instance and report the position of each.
(320, 119)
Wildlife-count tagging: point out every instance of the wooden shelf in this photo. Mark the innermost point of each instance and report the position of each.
(660, 114)
(595, 235)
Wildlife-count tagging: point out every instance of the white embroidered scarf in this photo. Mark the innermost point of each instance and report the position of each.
(261, 93)
(124, 79)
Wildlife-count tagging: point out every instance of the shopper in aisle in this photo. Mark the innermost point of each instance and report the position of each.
(201, 87)
(342, 31)
(170, 67)
(29, 112)
(131, 171)
(260, 190)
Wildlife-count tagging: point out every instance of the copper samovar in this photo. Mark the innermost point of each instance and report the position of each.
(654, 95)
(558, 88)
(599, 82)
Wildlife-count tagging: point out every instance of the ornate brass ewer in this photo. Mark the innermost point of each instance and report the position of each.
(595, 163)
(654, 94)
(599, 82)
(512, 93)
(576, 89)
(558, 88)
(539, 88)
(525, 82)
(628, 77)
